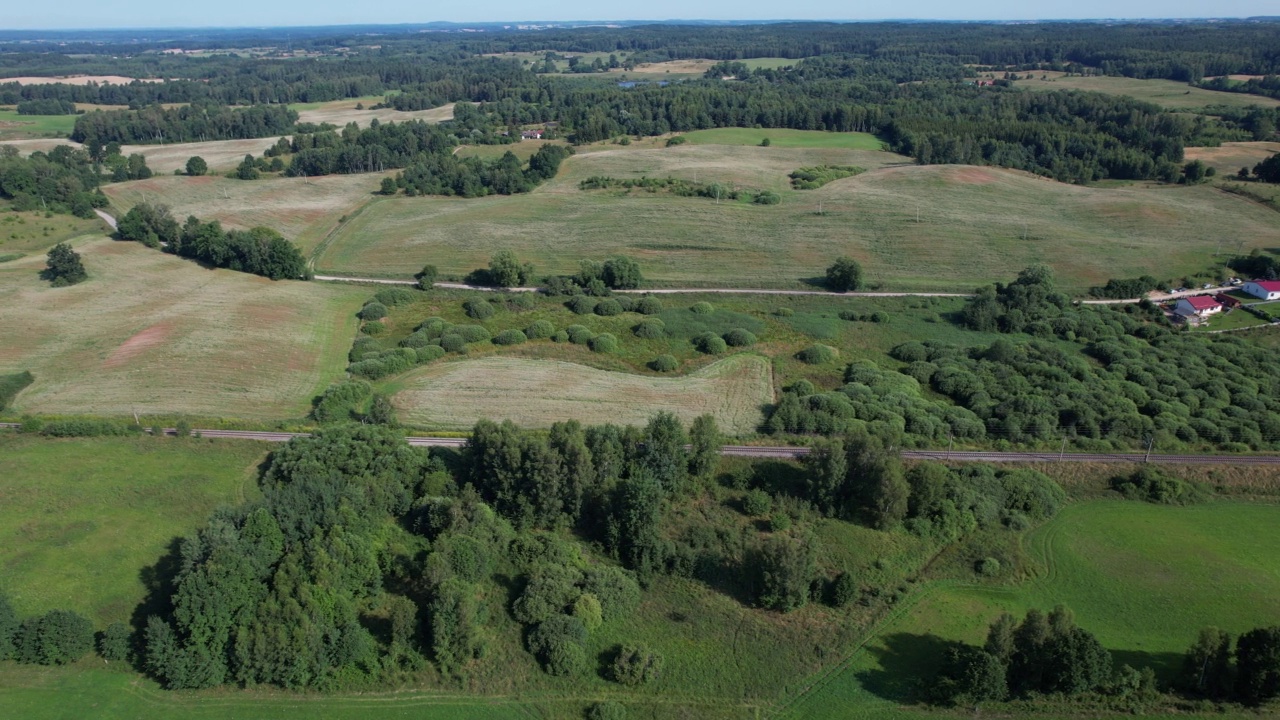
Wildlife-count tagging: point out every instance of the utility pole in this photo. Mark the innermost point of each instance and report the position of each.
(1151, 440)
(1063, 450)
(951, 441)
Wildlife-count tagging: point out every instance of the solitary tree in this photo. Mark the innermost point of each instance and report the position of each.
(505, 269)
(1194, 172)
(64, 266)
(427, 277)
(844, 275)
(248, 169)
(197, 166)
(389, 186)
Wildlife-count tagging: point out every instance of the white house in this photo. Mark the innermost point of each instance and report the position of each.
(1198, 306)
(1265, 289)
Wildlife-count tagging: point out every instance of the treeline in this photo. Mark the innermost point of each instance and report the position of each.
(191, 123)
(260, 250)
(58, 637)
(62, 180)
(46, 107)
(447, 174)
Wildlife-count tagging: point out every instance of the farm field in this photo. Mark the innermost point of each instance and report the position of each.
(967, 233)
(537, 393)
(1230, 157)
(1165, 93)
(155, 334)
(25, 233)
(304, 210)
(341, 112)
(17, 127)
(81, 519)
(1144, 578)
(783, 138)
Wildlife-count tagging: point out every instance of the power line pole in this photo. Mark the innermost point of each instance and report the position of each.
(1063, 450)
(951, 441)
(1151, 440)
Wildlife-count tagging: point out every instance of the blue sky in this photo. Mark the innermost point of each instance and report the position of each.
(257, 13)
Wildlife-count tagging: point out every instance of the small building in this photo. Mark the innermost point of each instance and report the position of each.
(1227, 301)
(1198, 306)
(531, 135)
(1265, 289)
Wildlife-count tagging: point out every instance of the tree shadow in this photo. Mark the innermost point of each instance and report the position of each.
(159, 581)
(1165, 664)
(778, 478)
(908, 663)
(817, 283)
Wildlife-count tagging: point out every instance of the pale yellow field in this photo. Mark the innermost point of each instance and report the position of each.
(304, 210)
(1230, 157)
(341, 112)
(1165, 93)
(26, 147)
(77, 80)
(537, 393)
(219, 154)
(155, 334)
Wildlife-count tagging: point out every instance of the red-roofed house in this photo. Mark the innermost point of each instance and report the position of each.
(1265, 289)
(531, 135)
(1198, 306)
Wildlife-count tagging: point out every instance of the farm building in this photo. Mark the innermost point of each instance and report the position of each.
(1265, 289)
(1198, 306)
(531, 135)
(1227, 301)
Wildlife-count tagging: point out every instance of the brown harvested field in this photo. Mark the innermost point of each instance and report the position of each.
(537, 393)
(155, 334)
(341, 112)
(1230, 157)
(220, 154)
(77, 80)
(304, 210)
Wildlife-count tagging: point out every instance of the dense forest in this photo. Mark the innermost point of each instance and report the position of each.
(192, 123)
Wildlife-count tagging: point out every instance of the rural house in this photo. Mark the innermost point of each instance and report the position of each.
(531, 135)
(1227, 301)
(1198, 306)
(1265, 289)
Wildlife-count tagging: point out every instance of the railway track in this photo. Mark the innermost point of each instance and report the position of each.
(785, 452)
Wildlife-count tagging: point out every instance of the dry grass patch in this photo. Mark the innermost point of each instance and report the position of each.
(220, 154)
(1228, 158)
(157, 334)
(302, 209)
(26, 147)
(537, 393)
(1165, 93)
(341, 112)
(78, 80)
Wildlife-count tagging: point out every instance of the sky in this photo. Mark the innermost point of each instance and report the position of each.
(68, 14)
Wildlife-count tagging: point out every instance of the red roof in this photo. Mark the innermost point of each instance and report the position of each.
(1202, 302)
(1268, 285)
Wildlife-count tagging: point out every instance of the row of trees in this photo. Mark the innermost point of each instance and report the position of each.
(260, 250)
(57, 637)
(191, 123)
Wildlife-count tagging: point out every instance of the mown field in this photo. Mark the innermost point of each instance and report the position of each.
(304, 210)
(537, 393)
(1165, 93)
(1144, 578)
(1228, 158)
(155, 334)
(914, 228)
(783, 138)
(81, 519)
(21, 127)
(26, 233)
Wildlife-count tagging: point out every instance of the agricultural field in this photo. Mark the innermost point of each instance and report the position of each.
(1229, 157)
(304, 210)
(1144, 578)
(155, 334)
(914, 228)
(783, 138)
(59, 548)
(1168, 94)
(537, 393)
(21, 127)
(26, 233)
(341, 112)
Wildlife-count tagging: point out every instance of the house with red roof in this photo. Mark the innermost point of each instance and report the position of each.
(1198, 306)
(1265, 289)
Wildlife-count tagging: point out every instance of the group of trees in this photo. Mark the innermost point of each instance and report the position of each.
(46, 107)
(57, 637)
(260, 250)
(190, 123)
(1250, 674)
(62, 180)
(447, 174)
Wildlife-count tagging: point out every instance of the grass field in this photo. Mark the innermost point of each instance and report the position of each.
(782, 138)
(304, 210)
(914, 228)
(20, 127)
(80, 519)
(26, 233)
(155, 334)
(1228, 158)
(537, 393)
(341, 112)
(1143, 578)
(1165, 93)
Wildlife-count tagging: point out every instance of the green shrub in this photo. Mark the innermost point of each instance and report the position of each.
(626, 302)
(340, 402)
(560, 336)
(114, 643)
(987, 567)
(521, 301)
(844, 275)
(56, 638)
(779, 522)
(87, 428)
(756, 503)
(373, 327)
(471, 333)
(767, 197)
(1155, 485)
(710, 344)
(433, 326)
(649, 306)
(636, 665)
(394, 296)
(509, 337)
(738, 337)
(372, 369)
(453, 343)
(559, 643)
(664, 363)
(427, 277)
(604, 343)
(608, 709)
(817, 355)
(478, 309)
(676, 140)
(843, 590)
(608, 307)
(582, 304)
(373, 311)
(579, 334)
(651, 329)
(429, 353)
(587, 609)
(702, 308)
(784, 312)
(540, 330)
(879, 316)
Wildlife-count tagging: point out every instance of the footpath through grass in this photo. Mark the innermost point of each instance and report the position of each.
(1144, 578)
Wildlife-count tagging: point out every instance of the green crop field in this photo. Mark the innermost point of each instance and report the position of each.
(1144, 578)
(536, 393)
(155, 334)
(1165, 93)
(81, 519)
(20, 127)
(304, 210)
(783, 138)
(914, 228)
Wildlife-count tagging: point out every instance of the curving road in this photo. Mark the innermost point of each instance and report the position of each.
(791, 452)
